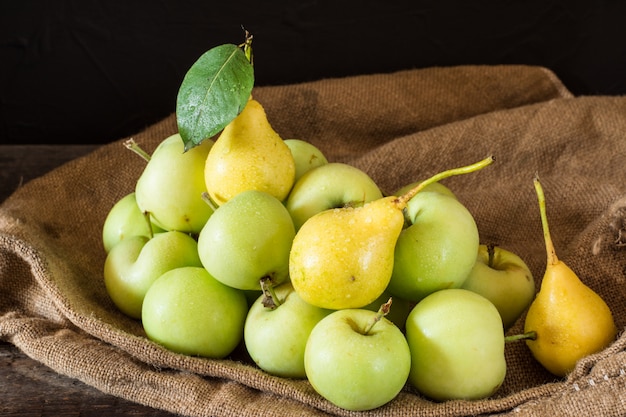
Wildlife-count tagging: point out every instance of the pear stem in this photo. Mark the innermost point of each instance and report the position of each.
(270, 299)
(532, 335)
(404, 199)
(247, 45)
(382, 312)
(133, 146)
(550, 252)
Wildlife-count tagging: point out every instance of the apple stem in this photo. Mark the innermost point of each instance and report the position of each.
(491, 251)
(207, 199)
(551, 253)
(146, 215)
(382, 312)
(270, 299)
(532, 335)
(133, 146)
(402, 201)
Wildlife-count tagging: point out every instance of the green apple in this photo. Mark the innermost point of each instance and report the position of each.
(171, 186)
(190, 312)
(275, 336)
(438, 248)
(306, 156)
(504, 279)
(327, 186)
(247, 238)
(133, 265)
(355, 361)
(457, 346)
(125, 220)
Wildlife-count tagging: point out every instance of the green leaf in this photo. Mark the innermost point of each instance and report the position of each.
(214, 91)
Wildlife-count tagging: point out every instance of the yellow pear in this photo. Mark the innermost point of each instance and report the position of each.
(249, 155)
(349, 264)
(569, 320)
(343, 257)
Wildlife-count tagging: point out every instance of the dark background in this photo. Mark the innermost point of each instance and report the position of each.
(88, 71)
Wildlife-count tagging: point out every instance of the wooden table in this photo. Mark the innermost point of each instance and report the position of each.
(28, 388)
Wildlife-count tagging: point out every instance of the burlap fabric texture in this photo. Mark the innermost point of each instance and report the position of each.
(399, 128)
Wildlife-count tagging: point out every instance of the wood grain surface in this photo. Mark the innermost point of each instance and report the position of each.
(27, 387)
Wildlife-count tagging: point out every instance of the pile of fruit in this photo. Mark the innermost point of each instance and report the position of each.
(235, 235)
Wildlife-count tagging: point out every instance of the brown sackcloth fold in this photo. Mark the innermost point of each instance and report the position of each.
(399, 128)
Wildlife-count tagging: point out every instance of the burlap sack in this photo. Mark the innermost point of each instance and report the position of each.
(399, 128)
